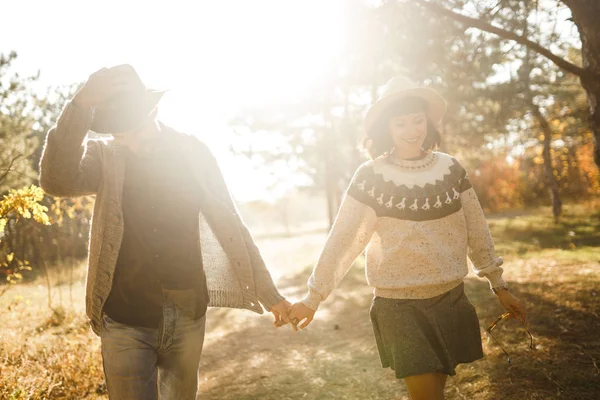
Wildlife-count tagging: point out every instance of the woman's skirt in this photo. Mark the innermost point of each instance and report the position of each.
(420, 336)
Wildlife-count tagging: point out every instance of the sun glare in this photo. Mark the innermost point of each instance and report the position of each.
(214, 57)
(254, 54)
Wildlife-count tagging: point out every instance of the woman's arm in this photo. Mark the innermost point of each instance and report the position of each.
(481, 246)
(350, 234)
(481, 249)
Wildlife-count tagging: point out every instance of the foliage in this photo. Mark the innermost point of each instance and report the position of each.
(20, 203)
(518, 183)
(25, 117)
(45, 356)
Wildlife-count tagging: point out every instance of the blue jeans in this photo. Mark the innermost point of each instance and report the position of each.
(152, 363)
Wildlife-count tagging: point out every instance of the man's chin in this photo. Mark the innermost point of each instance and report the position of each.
(123, 135)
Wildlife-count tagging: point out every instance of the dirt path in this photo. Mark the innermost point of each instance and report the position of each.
(336, 358)
(52, 356)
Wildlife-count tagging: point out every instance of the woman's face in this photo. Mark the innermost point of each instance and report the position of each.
(408, 132)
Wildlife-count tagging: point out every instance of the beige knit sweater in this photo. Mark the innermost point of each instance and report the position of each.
(418, 220)
(72, 165)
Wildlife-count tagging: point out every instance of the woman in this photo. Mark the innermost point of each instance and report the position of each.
(416, 210)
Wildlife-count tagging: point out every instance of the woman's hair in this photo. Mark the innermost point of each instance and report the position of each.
(379, 138)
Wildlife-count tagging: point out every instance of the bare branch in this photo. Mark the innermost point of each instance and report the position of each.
(4, 289)
(485, 26)
(8, 170)
(492, 11)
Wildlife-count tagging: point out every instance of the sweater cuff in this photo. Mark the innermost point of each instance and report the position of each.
(311, 300)
(492, 272)
(269, 297)
(495, 279)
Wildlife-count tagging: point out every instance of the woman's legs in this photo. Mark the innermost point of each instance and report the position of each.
(426, 386)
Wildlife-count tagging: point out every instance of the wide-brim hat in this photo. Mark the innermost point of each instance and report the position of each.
(399, 88)
(128, 109)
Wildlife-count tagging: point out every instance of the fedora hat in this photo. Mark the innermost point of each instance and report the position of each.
(399, 88)
(126, 110)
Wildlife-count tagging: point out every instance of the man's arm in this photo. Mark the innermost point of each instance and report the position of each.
(71, 166)
(266, 290)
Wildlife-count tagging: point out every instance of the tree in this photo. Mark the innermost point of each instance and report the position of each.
(497, 101)
(584, 16)
(17, 105)
(318, 135)
(26, 238)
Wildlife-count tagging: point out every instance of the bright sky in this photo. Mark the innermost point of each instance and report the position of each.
(214, 56)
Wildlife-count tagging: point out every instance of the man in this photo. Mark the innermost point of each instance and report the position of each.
(165, 241)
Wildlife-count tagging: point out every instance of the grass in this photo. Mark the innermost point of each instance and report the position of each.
(51, 354)
(535, 234)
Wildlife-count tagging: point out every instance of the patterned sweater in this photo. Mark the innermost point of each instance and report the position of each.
(420, 220)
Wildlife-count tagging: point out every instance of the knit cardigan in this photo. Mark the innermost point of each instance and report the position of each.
(73, 165)
(418, 221)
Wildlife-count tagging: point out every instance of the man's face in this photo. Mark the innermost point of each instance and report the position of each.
(127, 136)
(134, 135)
(123, 136)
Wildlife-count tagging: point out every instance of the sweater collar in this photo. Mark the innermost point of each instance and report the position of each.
(414, 164)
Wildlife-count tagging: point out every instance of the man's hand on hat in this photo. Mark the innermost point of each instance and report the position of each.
(101, 86)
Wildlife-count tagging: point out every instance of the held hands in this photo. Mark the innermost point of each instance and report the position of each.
(280, 312)
(299, 312)
(285, 313)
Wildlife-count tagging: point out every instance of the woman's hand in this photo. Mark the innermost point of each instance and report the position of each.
(299, 312)
(512, 305)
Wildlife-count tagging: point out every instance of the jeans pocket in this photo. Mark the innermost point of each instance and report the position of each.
(107, 321)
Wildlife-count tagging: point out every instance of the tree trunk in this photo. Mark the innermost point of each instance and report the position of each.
(330, 202)
(331, 143)
(585, 15)
(332, 192)
(550, 178)
(551, 182)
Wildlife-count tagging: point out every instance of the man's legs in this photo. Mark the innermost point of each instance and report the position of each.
(180, 341)
(129, 358)
(140, 363)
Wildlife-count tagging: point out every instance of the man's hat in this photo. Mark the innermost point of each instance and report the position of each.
(127, 110)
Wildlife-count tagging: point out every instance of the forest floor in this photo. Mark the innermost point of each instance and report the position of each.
(50, 353)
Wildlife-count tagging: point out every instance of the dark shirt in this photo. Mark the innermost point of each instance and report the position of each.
(160, 256)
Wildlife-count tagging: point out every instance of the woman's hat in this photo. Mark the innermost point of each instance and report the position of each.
(401, 87)
(127, 110)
